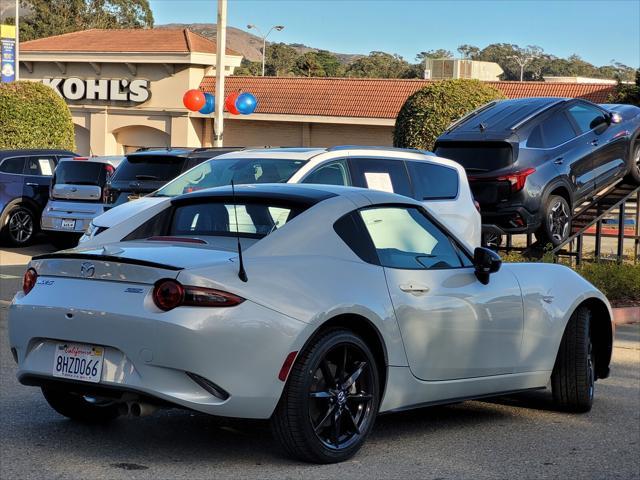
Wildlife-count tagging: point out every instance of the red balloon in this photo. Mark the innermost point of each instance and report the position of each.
(194, 99)
(230, 103)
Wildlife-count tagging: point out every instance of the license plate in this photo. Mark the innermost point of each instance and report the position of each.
(78, 362)
(68, 224)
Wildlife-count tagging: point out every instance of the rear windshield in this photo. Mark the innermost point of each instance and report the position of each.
(78, 172)
(477, 157)
(255, 220)
(219, 172)
(149, 167)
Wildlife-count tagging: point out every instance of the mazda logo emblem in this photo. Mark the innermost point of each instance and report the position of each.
(87, 269)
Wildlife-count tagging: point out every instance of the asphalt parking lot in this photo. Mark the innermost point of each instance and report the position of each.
(520, 436)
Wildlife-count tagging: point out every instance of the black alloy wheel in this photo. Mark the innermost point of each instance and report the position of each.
(330, 401)
(634, 172)
(20, 226)
(556, 223)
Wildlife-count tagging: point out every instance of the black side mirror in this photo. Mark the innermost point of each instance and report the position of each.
(486, 262)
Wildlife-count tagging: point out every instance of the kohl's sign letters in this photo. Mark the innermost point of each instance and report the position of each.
(116, 90)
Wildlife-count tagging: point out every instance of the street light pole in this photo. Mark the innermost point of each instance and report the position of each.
(279, 28)
(221, 41)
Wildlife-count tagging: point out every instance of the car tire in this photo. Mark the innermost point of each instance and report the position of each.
(573, 377)
(64, 240)
(634, 173)
(317, 421)
(19, 226)
(556, 221)
(80, 408)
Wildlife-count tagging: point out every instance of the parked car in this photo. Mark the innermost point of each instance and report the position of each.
(24, 191)
(341, 304)
(441, 184)
(145, 171)
(531, 161)
(76, 196)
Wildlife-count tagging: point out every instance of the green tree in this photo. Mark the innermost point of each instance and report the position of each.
(379, 65)
(427, 113)
(280, 59)
(248, 68)
(54, 17)
(330, 64)
(626, 93)
(34, 116)
(468, 51)
(308, 65)
(439, 53)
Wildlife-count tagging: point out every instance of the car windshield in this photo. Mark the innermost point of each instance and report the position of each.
(220, 172)
(78, 172)
(218, 218)
(149, 167)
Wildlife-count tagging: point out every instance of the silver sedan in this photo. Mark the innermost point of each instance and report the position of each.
(314, 306)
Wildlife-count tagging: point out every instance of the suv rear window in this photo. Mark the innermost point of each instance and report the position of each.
(78, 172)
(255, 220)
(477, 156)
(149, 167)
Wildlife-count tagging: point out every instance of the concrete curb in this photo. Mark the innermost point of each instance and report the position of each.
(626, 315)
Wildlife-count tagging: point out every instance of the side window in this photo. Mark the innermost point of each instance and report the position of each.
(381, 174)
(552, 132)
(12, 165)
(433, 182)
(405, 238)
(586, 116)
(43, 166)
(334, 173)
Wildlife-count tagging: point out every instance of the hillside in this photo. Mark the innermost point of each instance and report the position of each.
(247, 44)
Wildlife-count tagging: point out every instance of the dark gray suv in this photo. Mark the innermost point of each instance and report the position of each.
(531, 161)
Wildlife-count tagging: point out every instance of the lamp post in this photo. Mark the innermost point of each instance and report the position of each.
(279, 28)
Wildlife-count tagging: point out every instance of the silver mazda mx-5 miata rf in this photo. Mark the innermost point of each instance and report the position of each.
(314, 306)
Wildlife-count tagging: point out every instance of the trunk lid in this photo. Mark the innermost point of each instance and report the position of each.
(131, 262)
(64, 191)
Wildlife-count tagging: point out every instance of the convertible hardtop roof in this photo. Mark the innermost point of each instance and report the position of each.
(279, 192)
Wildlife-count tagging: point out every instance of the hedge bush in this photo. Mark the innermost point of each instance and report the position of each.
(428, 112)
(32, 115)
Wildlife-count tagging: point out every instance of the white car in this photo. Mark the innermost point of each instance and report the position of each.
(342, 303)
(440, 183)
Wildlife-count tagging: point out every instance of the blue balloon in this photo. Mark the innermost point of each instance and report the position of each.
(209, 104)
(246, 103)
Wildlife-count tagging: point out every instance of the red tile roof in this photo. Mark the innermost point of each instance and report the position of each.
(372, 98)
(162, 40)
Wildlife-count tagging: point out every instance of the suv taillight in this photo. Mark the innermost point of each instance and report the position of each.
(29, 280)
(169, 294)
(517, 180)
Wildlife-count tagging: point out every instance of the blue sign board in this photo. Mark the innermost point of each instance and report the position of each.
(8, 60)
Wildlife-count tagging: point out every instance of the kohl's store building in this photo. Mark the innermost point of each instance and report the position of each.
(124, 89)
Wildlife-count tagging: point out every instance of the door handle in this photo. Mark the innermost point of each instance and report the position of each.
(558, 161)
(414, 289)
(31, 184)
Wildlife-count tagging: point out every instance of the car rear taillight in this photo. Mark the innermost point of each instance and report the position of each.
(169, 294)
(29, 280)
(477, 205)
(516, 179)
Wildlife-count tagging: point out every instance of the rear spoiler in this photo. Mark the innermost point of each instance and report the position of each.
(105, 258)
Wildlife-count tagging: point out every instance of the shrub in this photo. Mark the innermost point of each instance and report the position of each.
(428, 112)
(627, 93)
(34, 116)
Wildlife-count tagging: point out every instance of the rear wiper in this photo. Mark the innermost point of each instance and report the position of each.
(146, 177)
(477, 170)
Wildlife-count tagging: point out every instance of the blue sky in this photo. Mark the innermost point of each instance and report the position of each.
(597, 30)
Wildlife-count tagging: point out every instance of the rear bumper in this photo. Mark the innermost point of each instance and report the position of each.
(153, 353)
(513, 219)
(80, 212)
